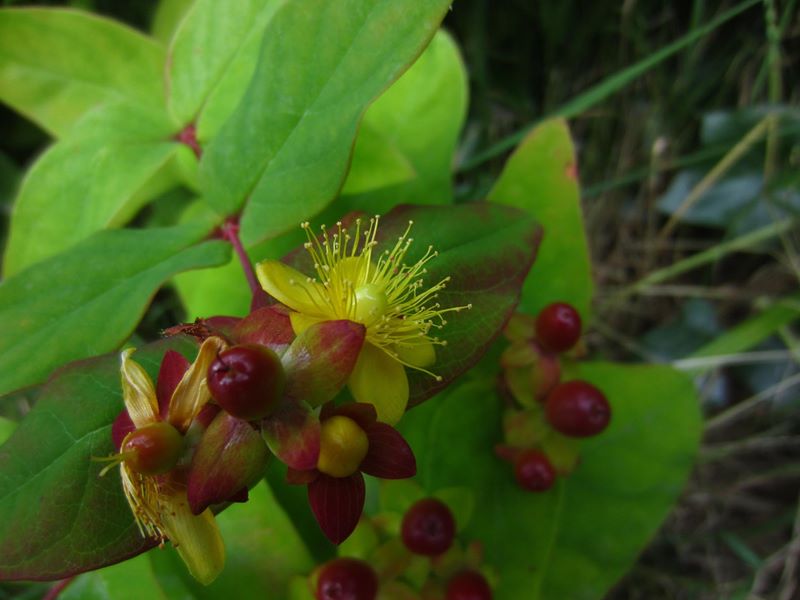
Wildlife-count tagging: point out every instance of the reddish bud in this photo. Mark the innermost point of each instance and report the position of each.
(578, 409)
(247, 381)
(428, 527)
(346, 579)
(533, 471)
(153, 449)
(469, 585)
(558, 327)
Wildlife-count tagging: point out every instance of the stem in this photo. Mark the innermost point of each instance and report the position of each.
(230, 231)
(57, 588)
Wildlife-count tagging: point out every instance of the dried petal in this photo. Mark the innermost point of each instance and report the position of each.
(191, 393)
(137, 391)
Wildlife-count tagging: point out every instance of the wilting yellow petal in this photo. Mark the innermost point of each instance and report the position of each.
(419, 355)
(290, 287)
(301, 322)
(137, 391)
(380, 380)
(196, 537)
(192, 393)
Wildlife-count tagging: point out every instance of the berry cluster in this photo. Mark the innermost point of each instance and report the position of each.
(422, 560)
(547, 416)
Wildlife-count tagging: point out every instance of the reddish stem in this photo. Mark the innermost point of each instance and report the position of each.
(230, 232)
(188, 136)
(57, 588)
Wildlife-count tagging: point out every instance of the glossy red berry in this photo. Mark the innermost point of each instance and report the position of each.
(468, 585)
(428, 527)
(153, 449)
(247, 381)
(578, 409)
(346, 579)
(558, 327)
(533, 471)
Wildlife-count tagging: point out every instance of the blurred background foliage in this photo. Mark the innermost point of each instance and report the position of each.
(689, 161)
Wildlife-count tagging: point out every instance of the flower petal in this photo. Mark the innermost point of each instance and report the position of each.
(301, 321)
(230, 456)
(421, 354)
(380, 380)
(173, 366)
(196, 537)
(320, 360)
(292, 433)
(291, 287)
(337, 503)
(389, 456)
(191, 394)
(137, 391)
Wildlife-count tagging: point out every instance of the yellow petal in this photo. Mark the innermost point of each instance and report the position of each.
(301, 322)
(380, 380)
(192, 393)
(290, 287)
(137, 391)
(196, 537)
(419, 355)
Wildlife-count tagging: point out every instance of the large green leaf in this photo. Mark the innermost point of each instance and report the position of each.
(116, 159)
(486, 251)
(576, 540)
(56, 64)
(263, 552)
(167, 18)
(541, 177)
(285, 149)
(213, 55)
(88, 300)
(419, 118)
(59, 516)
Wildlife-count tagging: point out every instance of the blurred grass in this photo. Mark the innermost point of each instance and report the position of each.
(639, 79)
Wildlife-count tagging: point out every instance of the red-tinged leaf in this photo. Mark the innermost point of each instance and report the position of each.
(230, 456)
(295, 477)
(362, 413)
(269, 326)
(389, 455)
(170, 374)
(486, 250)
(320, 360)
(292, 433)
(59, 516)
(337, 503)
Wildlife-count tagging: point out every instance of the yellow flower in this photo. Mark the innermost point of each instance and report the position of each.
(159, 502)
(377, 290)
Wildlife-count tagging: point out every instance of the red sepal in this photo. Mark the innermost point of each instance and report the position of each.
(121, 427)
(337, 503)
(173, 366)
(389, 455)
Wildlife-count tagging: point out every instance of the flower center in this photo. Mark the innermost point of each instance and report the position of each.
(343, 445)
(371, 303)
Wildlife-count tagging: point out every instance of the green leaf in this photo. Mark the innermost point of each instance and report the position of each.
(578, 539)
(486, 250)
(7, 427)
(88, 300)
(215, 51)
(59, 516)
(420, 118)
(131, 580)
(56, 64)
(287, 145)
(263, 552)
(167, 18)
(377, 162)
(541, 177)
(117, 158)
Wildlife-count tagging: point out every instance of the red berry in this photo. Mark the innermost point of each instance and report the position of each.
(428, 527)
(346, 579)
(534, 471)
(247, 381)
(578, 409)
(469, 585)
(558, 327)
(153, 449)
